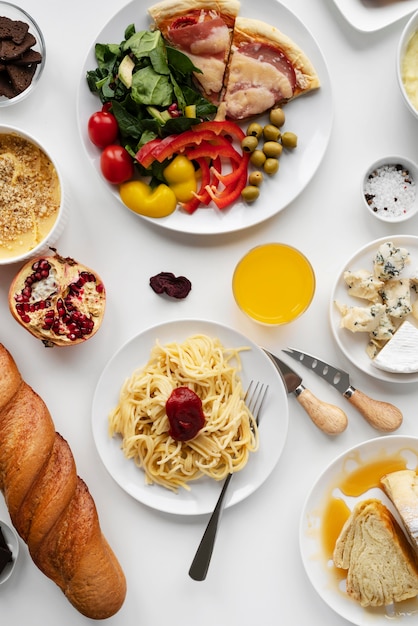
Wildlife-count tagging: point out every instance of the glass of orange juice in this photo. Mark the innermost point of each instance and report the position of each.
(273, 284)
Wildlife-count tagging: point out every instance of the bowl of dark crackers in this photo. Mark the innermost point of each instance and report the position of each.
(9, 551)
(22, 54)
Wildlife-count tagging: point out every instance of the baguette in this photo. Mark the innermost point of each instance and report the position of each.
(380, 563)
(49, 504)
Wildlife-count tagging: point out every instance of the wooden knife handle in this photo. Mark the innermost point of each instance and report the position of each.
(329, 418)
(381, 415)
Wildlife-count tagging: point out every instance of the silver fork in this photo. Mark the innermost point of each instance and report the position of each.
(254, 399)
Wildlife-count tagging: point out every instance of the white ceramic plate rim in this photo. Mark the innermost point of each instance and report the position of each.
(309, 541)
(202, 497)
(296, 168)
(353, 345)
(368, 19)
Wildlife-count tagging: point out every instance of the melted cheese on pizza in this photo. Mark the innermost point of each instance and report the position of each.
(254, 87)
(213, 72)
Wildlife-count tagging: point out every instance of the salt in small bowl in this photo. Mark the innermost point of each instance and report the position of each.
(390, 189)
(12, 541)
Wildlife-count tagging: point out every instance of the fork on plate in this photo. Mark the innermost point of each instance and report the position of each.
(254, 399)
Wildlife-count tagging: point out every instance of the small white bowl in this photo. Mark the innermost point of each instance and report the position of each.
(409, 31)
(12, 541)
(386, 192)
(62, 216)
(15, 13)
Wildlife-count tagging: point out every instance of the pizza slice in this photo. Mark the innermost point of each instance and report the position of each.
(201, 29)
(265, 68)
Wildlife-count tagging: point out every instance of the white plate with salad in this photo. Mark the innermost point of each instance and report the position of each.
(296, 167)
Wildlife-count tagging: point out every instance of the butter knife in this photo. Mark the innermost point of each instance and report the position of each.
(381, 415)
(327, 417)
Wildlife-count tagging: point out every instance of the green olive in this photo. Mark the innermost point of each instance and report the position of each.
(277, 117)
(255, 129)
(250, 193)
(271, 132)
(256, 178)
(258, 158)
(272, 149)
(271, 166)
(249, 143)
(289, 140)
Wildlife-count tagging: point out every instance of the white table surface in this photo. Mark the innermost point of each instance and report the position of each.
(256, 575)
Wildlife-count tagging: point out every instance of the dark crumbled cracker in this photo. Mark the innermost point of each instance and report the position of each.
(21, 77)
(28, 58)
(9, 50)
(13, 29)
(6, 87)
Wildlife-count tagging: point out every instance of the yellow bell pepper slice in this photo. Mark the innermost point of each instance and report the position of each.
(181, 178)
(142, 199)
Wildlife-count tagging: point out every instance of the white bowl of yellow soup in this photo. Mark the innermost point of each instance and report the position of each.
(407, 64)
(34, 208)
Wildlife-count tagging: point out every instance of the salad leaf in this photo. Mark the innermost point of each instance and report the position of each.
(162, 77)
(148, 87)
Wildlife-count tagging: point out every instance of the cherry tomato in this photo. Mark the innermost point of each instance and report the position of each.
(102, 129)
(116, 164)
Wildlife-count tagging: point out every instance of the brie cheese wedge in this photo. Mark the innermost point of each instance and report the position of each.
(400, 354)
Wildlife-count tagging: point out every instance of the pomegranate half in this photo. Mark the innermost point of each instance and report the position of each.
(58, 300)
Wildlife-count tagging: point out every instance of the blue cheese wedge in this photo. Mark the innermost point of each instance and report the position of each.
(400, 354)
(389, 261)
(396, 295)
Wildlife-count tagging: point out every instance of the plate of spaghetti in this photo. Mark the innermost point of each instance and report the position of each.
(131, 429)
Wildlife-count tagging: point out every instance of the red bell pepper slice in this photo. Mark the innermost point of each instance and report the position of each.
(226, 128)
(230, 193)
(193, 204)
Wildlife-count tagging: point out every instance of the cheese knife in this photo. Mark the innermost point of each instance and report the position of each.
(329, 418)
(381, 415)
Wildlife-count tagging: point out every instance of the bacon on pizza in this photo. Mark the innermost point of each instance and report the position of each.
(265, 68)
(202, 29)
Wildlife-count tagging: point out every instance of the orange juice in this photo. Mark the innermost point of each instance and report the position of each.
(273, 283)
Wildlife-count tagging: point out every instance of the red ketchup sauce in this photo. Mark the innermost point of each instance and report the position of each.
(185, 414)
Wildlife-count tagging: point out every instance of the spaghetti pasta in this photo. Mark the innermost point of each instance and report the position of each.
(229, 434)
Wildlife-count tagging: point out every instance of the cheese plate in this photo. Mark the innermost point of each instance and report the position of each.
(353, 344)
(352, 477)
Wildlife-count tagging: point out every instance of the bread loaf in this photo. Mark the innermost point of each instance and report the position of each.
(380, 563)
(49, 504)
(402, 488)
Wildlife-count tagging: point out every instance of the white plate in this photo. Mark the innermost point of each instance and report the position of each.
(352, 344)
(296, 169)
(372, 15)
(204, 492)
(319, 571)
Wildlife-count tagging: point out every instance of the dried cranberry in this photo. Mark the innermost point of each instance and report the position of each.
(173, 286)
(185, 414)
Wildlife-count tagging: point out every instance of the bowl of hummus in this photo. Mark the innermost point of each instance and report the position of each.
(32, 198)
(407, 64)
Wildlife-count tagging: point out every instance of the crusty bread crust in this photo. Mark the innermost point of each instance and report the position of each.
(248, 30)
(164, 12)
(49, 504)
(370, 539)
